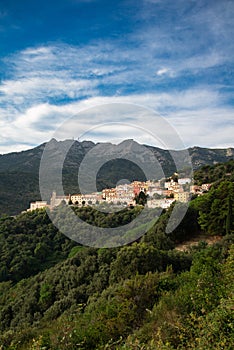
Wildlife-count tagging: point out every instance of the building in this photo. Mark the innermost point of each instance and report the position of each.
(172, 185)
(184, 181)
(109, 194)
(154, 188)
(181, 196)
(205, 187)
(77, 199)
(160, 203)
(57, 200)
(37, 205)
(168, 193)
(86, 199)
(92, 198)
(139, 186)
(195, 189)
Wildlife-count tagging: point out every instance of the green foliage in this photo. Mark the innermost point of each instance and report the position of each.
(216, 208)
(141, 198)
(215, 173)
(102, 219)
(187, 228)
(135, 259)
(229, 218)
(29, 243)
(18, 189)
(56, 295)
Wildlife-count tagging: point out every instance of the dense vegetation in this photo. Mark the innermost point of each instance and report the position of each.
(17, 190)
(30, 243)
(217, 173)
(57, 295)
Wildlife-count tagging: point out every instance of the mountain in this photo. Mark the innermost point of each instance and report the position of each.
(19, 172)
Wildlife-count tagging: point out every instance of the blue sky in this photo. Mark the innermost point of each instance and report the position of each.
(58, 58)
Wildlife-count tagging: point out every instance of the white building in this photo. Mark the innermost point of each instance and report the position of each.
(184, 181)
(37, 205)
(160, 203)
(172, 185)
(155, 190)
(87, 199)
(56, 200)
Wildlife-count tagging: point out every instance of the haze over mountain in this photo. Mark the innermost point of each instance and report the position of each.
(19, 172)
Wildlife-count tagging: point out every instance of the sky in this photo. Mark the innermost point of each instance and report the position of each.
(61, 58)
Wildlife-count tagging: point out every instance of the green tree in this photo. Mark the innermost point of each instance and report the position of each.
(141, 198)
(229, 219)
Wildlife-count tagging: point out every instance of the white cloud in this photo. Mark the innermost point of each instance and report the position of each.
(41, 81)
(67, 71)
(44, 87)
(15, 148)
(204, 127)
(163, 71)
(189, 113)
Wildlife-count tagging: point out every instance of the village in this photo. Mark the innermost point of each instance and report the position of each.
(158, 193)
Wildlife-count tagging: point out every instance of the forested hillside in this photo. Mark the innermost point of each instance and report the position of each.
(19, 172)
(57, 295)
(217, 173)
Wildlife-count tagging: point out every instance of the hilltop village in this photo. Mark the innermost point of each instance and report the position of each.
(156, 193)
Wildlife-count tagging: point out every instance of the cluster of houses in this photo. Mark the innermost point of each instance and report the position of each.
(160, 193)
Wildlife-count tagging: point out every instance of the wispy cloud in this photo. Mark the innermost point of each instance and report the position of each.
(179, 63)
(190, 114)
(162, 71)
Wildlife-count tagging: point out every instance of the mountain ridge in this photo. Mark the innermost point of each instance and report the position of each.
(19, 171)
